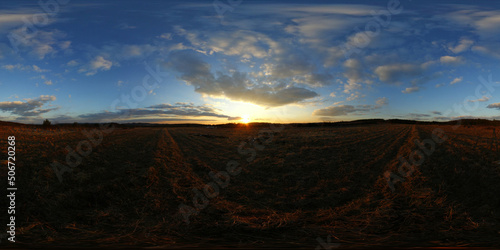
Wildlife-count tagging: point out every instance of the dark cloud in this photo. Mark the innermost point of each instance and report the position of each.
(238, 86)
(160, 112)
(494, 106)
(350, 109)
(314, 79)
(418, 115)
(187, 109)
(395, 73)
(31, 107)
(344, 110)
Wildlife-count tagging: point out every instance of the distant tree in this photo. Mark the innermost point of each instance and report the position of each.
(46, 123)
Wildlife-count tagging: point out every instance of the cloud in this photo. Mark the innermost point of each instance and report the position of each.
(167, 36)
(71, 119)
(38, 69)
(314, 79)
(41, 43)
(418, 116)
(463, 45)
(338, 9)
(290, 65)
(494, 106)
(188, 109)
(485, 23)
(425, 78)
(394, 73)
(382, 101)
(48, 82)
(31, 107)
(489, 49)
(160, 112)
(98, 63)
(353, 96)
(451, 60)
(353, 69)
(125, 26)
(244, 43)
(125, 52)
(12, 19)
(11, 67)
(278, 59)
(411, 90)
(317, 26)
(108, 56)
(342, 110)
(351, 86)
(456, 80)
(72, 63)
(416, 74)
(237, 86)
(437, 113)
(482, 99)
(21, 67)
(354, 74)
(234, 118)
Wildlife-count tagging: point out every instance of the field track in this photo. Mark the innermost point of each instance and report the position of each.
(305, 183)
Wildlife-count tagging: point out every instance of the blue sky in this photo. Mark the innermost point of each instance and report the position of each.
(219, 61)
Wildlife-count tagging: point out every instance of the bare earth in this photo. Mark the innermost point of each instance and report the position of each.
(297, 187)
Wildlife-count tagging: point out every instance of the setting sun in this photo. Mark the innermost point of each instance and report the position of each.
(245, 119)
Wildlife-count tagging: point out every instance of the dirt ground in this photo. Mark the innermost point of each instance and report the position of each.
(256, 187)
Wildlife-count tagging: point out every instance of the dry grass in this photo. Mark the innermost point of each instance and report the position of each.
(307, 183)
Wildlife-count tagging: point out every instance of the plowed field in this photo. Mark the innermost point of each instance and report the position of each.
(255, 187)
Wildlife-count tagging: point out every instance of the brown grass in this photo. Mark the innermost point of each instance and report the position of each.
(307, 183)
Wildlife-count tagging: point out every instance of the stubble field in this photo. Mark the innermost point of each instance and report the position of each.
(290, 186)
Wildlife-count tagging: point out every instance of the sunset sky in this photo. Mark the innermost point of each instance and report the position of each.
(219, 62)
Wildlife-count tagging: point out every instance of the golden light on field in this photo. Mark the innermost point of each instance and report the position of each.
(245, 118)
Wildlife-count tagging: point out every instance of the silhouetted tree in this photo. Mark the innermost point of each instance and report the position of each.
(46, 123)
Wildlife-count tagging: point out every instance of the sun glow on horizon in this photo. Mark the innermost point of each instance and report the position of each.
(245, 118)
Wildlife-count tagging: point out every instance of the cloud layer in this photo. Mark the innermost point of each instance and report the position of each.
(237, 86)
(30, 107)
(160, 112)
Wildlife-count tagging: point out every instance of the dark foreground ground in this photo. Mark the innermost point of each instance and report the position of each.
(290, 187)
